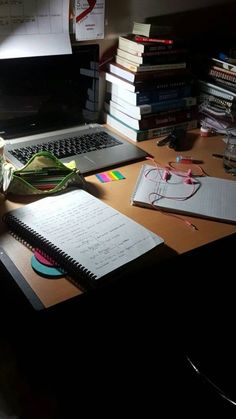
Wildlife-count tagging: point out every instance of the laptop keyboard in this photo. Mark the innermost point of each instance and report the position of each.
(68, 147)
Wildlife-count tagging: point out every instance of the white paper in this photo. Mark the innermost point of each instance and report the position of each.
(89, 18)
(211, 197)
(31, 28)
(93, 234)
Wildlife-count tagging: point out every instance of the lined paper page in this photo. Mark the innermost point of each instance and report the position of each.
(94, 234)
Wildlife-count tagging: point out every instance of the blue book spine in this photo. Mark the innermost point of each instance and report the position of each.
(149, 96)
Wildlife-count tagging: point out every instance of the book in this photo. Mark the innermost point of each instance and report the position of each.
(138, 111)
(128, 43)
(217, 72)
(152, 58)
(214, 100)
(157, 83)
(142, 77)
(84, 236)
(150, 29)
(148, 67)
(148, 134)
(215, 90)
(224, 65)
(139, 38)
(152, 121)
(150, 95)
(212, 197)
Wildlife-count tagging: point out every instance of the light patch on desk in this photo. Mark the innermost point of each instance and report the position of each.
(110, 176)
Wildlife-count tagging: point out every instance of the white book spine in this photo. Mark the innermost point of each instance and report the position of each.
(118, 71)
(119, 82)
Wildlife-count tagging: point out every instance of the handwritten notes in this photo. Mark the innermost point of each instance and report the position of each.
(93, 234)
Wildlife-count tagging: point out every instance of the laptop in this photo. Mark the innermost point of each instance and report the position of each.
(51, 103)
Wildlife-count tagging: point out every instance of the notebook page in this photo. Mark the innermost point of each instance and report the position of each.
(213, 197)
(94, 234)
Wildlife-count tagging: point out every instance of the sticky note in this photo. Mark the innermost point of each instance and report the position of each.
(110, 176)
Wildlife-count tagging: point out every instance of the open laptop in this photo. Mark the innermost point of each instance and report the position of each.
(51, 103)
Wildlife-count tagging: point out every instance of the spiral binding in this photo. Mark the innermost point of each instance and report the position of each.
(33, 240)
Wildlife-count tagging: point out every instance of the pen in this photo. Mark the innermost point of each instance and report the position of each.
(184, 159)
(43, 172)
(220, 156)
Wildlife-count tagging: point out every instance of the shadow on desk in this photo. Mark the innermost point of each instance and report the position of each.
(127, 347)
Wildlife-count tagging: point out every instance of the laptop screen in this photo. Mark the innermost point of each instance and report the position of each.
(39, 94)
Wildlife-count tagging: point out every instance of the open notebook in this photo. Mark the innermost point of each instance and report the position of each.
(51, 103)
(85, 236)
(212, 198)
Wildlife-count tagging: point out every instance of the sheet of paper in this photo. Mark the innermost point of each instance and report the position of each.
(89, 18)
(93, 234)
(207, 197)
(32, 28)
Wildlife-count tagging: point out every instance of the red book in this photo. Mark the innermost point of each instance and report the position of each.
(139, 38)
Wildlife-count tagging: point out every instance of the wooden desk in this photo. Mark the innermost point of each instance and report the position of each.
(177, 235)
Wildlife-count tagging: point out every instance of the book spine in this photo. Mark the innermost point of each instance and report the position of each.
(138, 135)
(148, 84)
(141, 76)
(138, 111)
(214, 72)
(165, 118)
(161, 53)
(204, 97)
(151, 59)
(120, 82)
(216, 91)
(153, 120)
(157, 132)
(225, 84)
(139, 38)
(150, 96)
(130, 44)
(135, 68)
(224, 65)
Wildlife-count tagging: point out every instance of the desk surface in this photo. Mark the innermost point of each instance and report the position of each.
(175, 233)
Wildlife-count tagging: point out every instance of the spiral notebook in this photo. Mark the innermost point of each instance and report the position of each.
(208, 197)
(85, 236)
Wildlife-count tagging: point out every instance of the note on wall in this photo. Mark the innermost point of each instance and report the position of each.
(32, 28)
(89, 19)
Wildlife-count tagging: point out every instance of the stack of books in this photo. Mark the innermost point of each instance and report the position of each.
(217, 97)
(150, 87)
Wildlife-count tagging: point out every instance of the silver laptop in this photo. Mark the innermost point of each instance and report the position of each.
(51, 103)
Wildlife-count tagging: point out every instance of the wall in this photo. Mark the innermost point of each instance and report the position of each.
(195, 18)
(120, 14)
